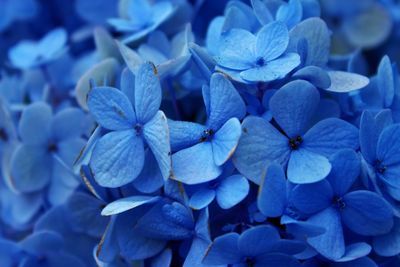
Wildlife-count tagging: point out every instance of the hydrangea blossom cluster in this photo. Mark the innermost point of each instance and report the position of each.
(199, 133)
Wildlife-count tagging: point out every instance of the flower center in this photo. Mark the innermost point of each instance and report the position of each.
(207, 135)
(3, 135)
(338, 202)
(138, 128)
(294, 143)
(52, 147)
(260, 61)
(379, 167)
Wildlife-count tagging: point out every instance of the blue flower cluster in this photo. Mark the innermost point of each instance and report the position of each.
(199, 133)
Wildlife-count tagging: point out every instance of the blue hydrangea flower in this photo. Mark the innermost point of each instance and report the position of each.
(258, 246)
(28, 54)
(333, 203)
(203, 149)
(303, 150)
(135, 124)
(139, 18)
(260, 58)
(50, 144)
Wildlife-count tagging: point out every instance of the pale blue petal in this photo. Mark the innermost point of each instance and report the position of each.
(366, 213)
(68, 123)
(30, 169)
(111, 108)
(236, 49)
(331, 243)
(111, 154)
(150, 179)
(231, 191)
(271, 198)
(34, 123)
(195, 165)
(184, 134)
(224, 250)
(201, 199)
(344, 82)
(385, 80)
(156, 134)
(225, 102)
(293, 106)
(148, 93)
(260, 144)
(355, 251)
(128, 203)
(307, 167)
(388, 148)
(258, 240)
(52, 43)
(290, 13)
(315, 75)
(330, 135)
(261, 11)
(273, 70)
(225, 141)
(312, 198)
(272, 40)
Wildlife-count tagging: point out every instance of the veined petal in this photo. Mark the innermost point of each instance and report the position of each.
(225, 141)
(184, 134)
(223, 250)
(156, 134)
(293, 106)
(148, 93)
(128, 203)
(111, 108)
(111, 154)
(195, 165)
(312, 198)
(272, 40)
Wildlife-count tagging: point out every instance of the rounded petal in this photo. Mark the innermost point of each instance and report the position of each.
(258, 240)
(272, 40)
(225, 141)
(312, 198)
(34, 123)
(231, 191)
(224, 250)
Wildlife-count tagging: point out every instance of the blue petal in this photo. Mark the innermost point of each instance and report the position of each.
(108, 249)
(201, 199)
(261, 11)
(259, 145)
(147, 92)
(224, 250)
(63, 259)
(271, 198)
(306, 167)
(355, 251)
(273, 70)
(24, 54)
(30, 168)
(388, 148)
(290, 13)
(317, 35)
(330, 135)
(150, 179)
(369, 135)
(312, 198)
(344, 82)
(110, 155)
(128, 84)
(184, 134)
(366, 213)
(293, 105)
(388, 245)
(346, 168)
(111, 108)
(385, 80)
(131, 58)
(156, 134)
(34, 123)
(331, 243)
(258, 240)
(225, 102)
(127, 203)
(163, 259)
(202, 167)
(315, 75)
(225, 141)
(42, 242)
(231, 191)
(68, 123)
(272, 40)
(236, 50)
(52, 44)
(361, 262)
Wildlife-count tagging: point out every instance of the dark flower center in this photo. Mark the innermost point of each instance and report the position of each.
(207, 135)
(138, 128)
(338, 202)
(379, 167)
(3, 135)
(260, 61)
(294, 143)
(249, 261)
(52, 147)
